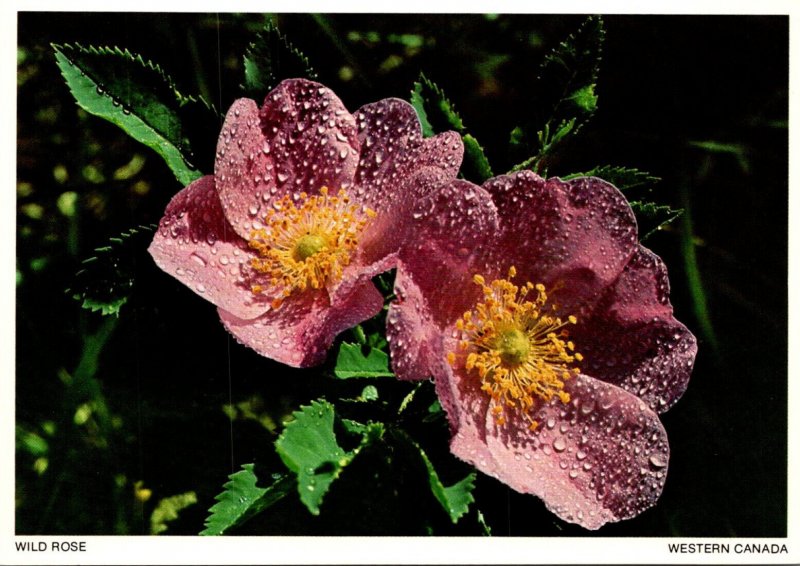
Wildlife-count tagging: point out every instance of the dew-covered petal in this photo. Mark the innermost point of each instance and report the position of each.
(600, 458)
(243, 172)
(467, 410)
(389, 132)
(302, 139)
(410, 330)
(397, 168)
(453, 231)
(433, 285)
(632, 338)
(300, 332)
(393, 152)
(573, 236)
(196, 245)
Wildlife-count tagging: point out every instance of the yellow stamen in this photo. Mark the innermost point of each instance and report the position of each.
(516, 345)
(305, 244)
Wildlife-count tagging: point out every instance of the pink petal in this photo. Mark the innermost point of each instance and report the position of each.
(195, 244)
(300, 332)
(453, 231)
(652, 354)
(393, 152)
(576, 236)
(302, 139)
(397, 168)
(434, 284)
(410, 330)
(600, 458)
(466, 407)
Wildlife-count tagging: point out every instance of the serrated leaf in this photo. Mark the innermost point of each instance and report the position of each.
(355, 360)
(564, 98)
(308, 447)
(651, 217)
(270, 59)
(137, 96)
(437, 114)
(107, 278)
(168, 509)
(243, 499)
(475, 166)
(455, 499)
(624, 178)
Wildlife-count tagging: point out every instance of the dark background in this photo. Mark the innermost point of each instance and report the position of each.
(115, 414)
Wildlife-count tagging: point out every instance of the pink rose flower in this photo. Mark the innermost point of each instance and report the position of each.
(550, 335)
(307, 203)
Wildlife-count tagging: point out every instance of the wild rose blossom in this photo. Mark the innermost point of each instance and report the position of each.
(550, 335)
(306, 204)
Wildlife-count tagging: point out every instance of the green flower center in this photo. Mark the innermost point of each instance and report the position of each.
(307, 246)
(513, 346)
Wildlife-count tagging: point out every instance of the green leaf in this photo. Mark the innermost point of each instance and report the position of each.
(651, 217)
(106, 279)
(243, 499)
(485, 528)
(308, 446)
(475, 166)
(270, 59)
(137, 96)
(624, 178)
(564, 98)
(455, 499)
(167, 510)
(437, 114)
(361, 361)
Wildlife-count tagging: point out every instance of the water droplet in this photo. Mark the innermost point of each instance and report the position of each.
(198, 259)
(201, 288)
(657, 461)
(573, 474)
(559, 445)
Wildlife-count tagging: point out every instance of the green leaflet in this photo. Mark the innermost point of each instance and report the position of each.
(564, 98)
(106, 279)
(624, 178)
(352, 361)
(437, 114)
(309, 448)
(137, 96)
(167, 510)
(270, 59)
(651, 217)
(455, 499)
(242, 499)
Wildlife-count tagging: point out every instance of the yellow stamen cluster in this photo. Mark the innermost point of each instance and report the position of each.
(517, 346)
(307, 243)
